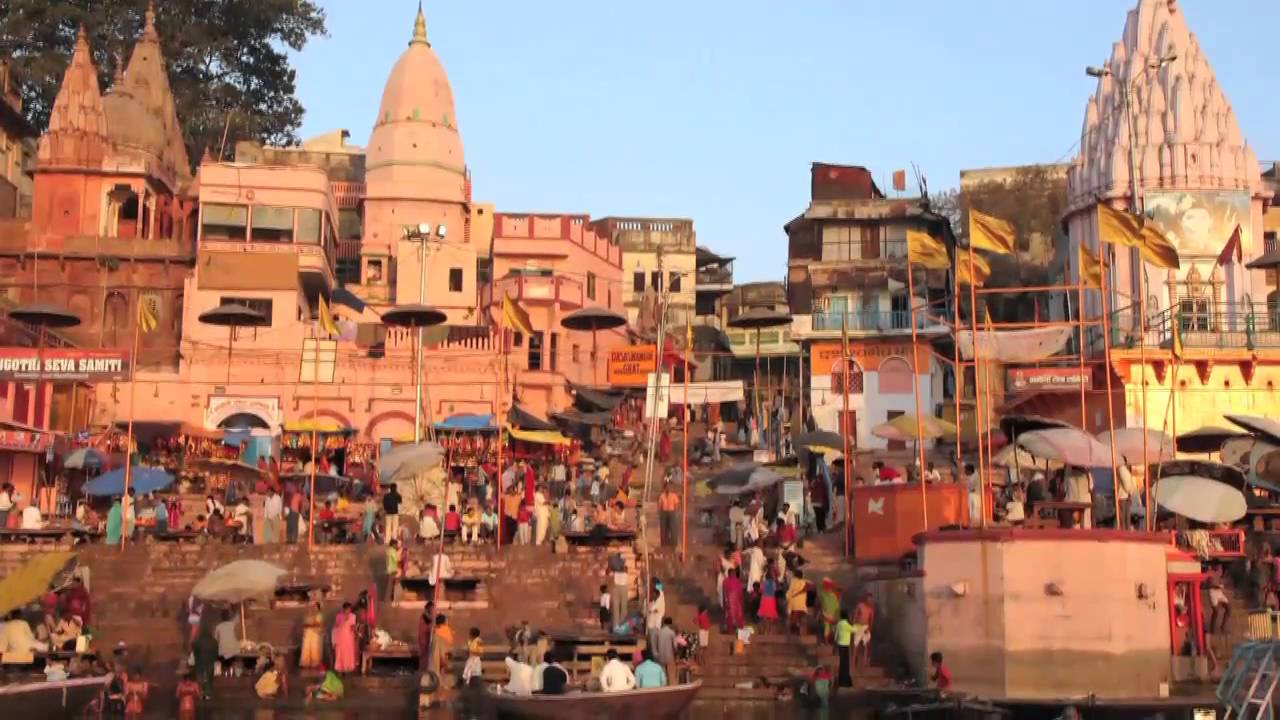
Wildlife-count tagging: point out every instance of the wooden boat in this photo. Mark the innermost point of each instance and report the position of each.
(665, 702)
(51, 699)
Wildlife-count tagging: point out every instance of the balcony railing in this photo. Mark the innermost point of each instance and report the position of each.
(97, 246)
(857, 250)
(1216, 326)
(715, 276)
(867, 321)
(539, 288)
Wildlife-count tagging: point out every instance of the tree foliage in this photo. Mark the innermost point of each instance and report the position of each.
(228, 60)
(1033, 199)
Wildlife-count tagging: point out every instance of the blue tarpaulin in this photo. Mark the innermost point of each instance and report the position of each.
(467, 422)
(144, 480)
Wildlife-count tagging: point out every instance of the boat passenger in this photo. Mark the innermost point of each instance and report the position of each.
(649, 673)
(616, 676)
(520, 676)
(939, 673)
(555, 679)
(17, 638)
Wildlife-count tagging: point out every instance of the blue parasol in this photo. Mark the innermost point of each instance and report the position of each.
(144, 480)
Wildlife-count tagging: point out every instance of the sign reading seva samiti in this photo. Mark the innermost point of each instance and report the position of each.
(63, 364)
(630, 366)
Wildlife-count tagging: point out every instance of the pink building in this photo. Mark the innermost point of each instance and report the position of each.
(553, 265)
(270, 236)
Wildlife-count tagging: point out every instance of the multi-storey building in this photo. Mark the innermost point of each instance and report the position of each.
(847, 273)
(16, 149)
(659, 258)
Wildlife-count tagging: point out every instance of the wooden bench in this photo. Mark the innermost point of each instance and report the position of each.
(595, 538)
(177, 536)
(298, 594)
(456, 589)
(43, 536)
(397, 655)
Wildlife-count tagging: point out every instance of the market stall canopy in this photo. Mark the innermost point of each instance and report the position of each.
(222, 466)
(46, 316)
(325, 482)
(1201, 499)
(540, 437)
(316, 424)
(904, 428)
(414, 316)
(1265, 428)
(32, 580)
(518, 417)
(1014, 456)
(408, 460)
(233, 315)
(1207, 439)
(85, 457)
(1015, 346)
(759, 319)
(591, 399)
(239, 581)
(1130, 443)
(1070, 446)
(572, 416)
(467, 422)
(708, 392)
(144, 480)
(1220, 472)
(591, 319)
(820, 441)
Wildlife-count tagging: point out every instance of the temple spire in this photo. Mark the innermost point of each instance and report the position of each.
(420, 28)
(149, 29)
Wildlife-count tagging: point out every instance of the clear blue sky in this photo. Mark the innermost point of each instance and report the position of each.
(713, 109)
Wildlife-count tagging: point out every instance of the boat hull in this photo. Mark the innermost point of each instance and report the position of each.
(42, 699)
(666, 702)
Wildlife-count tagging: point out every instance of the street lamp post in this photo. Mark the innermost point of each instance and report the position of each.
(422, 234)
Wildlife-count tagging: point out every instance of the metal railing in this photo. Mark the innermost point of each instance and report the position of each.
(1213, 326)
(867, 321)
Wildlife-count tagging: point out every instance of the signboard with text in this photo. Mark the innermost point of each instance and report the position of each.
(630, 366)
(60, 364)
(868, 354)
(1048, 379)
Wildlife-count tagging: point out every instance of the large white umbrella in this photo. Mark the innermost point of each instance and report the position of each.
(1015, 456)
(1264, 428)
(1070, 446)
(1132, 442)
(1244, 451)
(405, 461)
(904, 428)
(1200, 498)
(239, 581)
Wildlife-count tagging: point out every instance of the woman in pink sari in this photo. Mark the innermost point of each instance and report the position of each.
(344, 640)
(733, 615)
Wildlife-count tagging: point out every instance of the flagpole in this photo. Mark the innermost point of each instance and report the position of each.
(958, 367)
(133, 412)
(844, 424)
(501, 367)
(315, 447)
(1084, 417)
(1106, 349)
(915, 378)
(977, 394)
(684, 504)
(991, 367)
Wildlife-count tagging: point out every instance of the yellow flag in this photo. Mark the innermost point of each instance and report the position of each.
(326, 319)
(516, 316)
(967, 277)
(990, 233)
(1129, 230)
(1091, 267)
(147, 321)
(927, 251)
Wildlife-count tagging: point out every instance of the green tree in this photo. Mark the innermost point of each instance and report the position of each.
(228, 60)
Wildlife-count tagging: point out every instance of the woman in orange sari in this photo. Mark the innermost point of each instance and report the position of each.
(312, 654)
(345, 658)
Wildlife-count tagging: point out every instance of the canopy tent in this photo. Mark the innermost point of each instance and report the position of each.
(707, 392)
(143, 480)
(1015, 346)
(591, 400)
(904, 428)
(572, 416)
(467, 423)
(316, 424)
(540, 437)
(518, 417)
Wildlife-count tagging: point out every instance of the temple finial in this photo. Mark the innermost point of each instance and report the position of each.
(149, 29)
(420, 28)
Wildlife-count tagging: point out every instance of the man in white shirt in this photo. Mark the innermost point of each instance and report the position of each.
(616, 676)
(6, 503)
(520, 680)
(441, 568)
(272, 514)
(31, 519)
(16, 636)
(244, 516)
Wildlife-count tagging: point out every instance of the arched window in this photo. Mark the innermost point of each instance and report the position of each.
(895, 377)
(837, 377)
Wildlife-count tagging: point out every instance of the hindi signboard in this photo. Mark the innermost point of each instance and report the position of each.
(630, 366)
(1048, 379)
(61, 364)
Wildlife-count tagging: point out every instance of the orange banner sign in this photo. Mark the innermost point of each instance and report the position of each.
(1048, 379)
(630, 366)
(867, 353)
